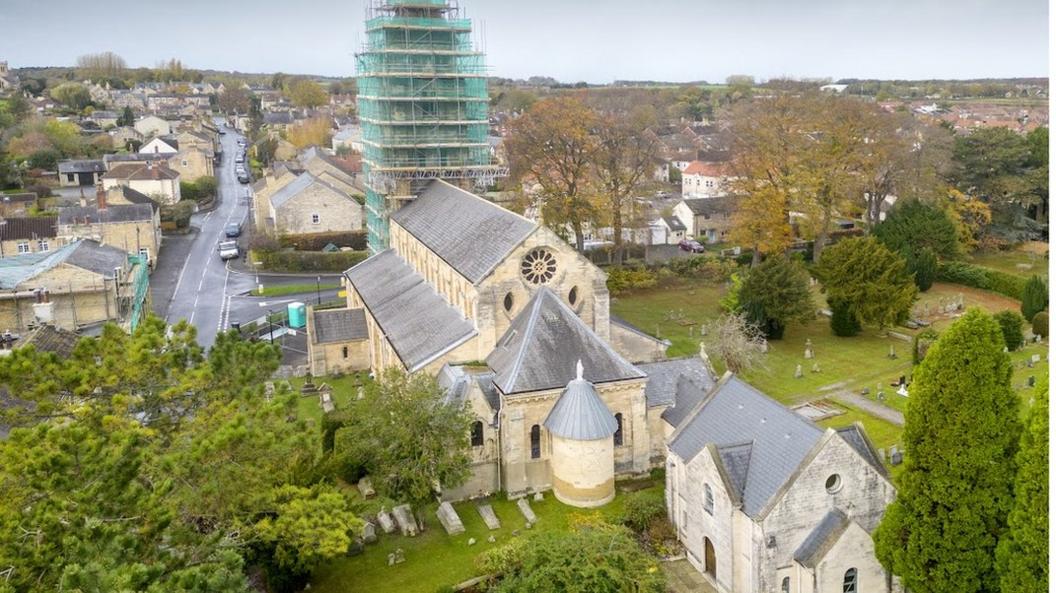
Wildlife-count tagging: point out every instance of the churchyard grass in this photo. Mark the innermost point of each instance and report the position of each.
(308, 405)
(288, 289)
(435, 559)
(881, 433)
(674, 313)
(1010, 261)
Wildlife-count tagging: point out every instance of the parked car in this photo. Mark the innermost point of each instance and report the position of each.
(691, 246)
(233, 229)
(228, 250)
(243, 178)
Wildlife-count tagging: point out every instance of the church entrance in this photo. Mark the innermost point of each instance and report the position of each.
(709, 558)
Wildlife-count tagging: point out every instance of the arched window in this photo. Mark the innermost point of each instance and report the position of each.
(476, 434)
(573, 296)
(786, 585)
(850, 581)
(617, 437)
(507, 303)
(536, 451)
(709, 500)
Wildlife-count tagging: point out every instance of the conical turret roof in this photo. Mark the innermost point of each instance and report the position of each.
(580, 414)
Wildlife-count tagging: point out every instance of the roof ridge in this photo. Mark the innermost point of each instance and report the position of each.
(488, 202)
(533, 318)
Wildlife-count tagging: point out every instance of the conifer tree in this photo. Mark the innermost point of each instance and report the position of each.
(955, 491)
(1022, 555)
(1035, 297)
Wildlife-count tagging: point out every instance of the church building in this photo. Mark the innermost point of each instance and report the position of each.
(515, 324)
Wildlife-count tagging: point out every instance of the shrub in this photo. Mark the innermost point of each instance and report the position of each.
(1011, 324)
(641, 508)
(923, 265)
(317, 241)
(309, 261)
(704, 267)
(1040, 324)
(980, 277)
(921, 343)
(844, 322)
(1035, 297)
(623, 279)
(913, 225)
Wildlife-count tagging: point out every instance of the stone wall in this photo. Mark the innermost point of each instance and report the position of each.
(336, 212)
(636, 347)
(583, 471)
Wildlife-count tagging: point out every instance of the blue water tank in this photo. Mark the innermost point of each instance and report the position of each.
(297, 314)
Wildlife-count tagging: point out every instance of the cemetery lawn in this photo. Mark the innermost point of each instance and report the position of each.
(883, 434)
(674, 313)
(308, 405)
(435, 559)
(1029, 254)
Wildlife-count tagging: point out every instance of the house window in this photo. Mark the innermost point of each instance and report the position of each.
(315, 219)
(23, 247)
(536, 452)
(786, 585)
(850, 581)
(476, 434)
(709, 500)
(69, 177)
(344, 352)
(617, 437)
(42, 245)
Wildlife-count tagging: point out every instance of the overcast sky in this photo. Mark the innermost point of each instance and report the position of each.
(571, 40)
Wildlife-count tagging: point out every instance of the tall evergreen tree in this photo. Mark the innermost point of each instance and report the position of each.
(955, 491)
(1023, 554)
(914, 225)
(1035, 297)
(776, 293)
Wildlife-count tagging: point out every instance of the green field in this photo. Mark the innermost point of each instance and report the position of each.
(345, 388)
(435, 559)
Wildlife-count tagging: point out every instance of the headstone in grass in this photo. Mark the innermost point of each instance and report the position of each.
(799, 371)
(816, 368)
(1030, 381)
(538, 497)
(405, 520)
(891, 352)
(326, 401)
(529, 514)
(449, 519)
(808, 353)
(896, 458)
(472, 541)
(370, 534)
(386, 522)
(366, 487)
(488, 514)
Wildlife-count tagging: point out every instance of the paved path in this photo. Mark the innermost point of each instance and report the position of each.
(683, 578)
(873, 407)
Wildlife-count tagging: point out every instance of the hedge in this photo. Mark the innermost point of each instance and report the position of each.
(317, 241)
(980, 277)
(308, 261)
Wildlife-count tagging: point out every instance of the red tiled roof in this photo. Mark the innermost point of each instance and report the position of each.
(706, 169)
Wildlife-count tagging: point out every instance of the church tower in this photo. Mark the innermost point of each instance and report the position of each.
(423, 105)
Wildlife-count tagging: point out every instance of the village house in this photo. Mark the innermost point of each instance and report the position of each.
(79, 285)
(312, 204)
(20, 204)
(709, 219)
(705, 180)
(135, 228)
(28, 234)
(667, 230)
(157, 181)
(764, 500)
(105, 119)
(152, 125)
(124, 137)
(80, 173)
(160, 145)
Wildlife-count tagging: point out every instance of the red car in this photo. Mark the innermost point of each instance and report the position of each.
(690, 245)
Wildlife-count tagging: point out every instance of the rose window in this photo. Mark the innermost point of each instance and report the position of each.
(539, 266)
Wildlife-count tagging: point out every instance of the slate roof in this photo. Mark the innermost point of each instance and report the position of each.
(135, 197)
(710, 206)
(86, 254)
(457, 381)
(416, 320)
(48, 338)
(131, 158)
(736, 459)
(139, 171)
(661, 389)
(92, 166)
(674, 223)
(856, 438)
(689, 392)
(282, 117)
(539, 349)
(115, 213)
(735, 413)
(339, 325)
(468, 232)
(580, 414)
(23, 197)
(821, 539)
(303, 181)
(17, 228)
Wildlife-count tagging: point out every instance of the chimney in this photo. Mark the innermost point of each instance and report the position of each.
(43, 310)
(157, 172)
(100, 197)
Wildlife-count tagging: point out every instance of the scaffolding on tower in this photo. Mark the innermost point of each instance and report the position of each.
(423, 106)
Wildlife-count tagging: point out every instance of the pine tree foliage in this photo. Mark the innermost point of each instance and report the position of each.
(869, 278)
(955, 489)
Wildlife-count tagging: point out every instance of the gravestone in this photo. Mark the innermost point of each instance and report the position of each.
(882, 453)
(808, 353)
(1035, 358)
(355, 548)
(398, 555)
(359, 392)
(529, 514)
(308, 386)
(538, 497)
(1031, 381)
(449, 519)
(405, 520)
(488, 514)
(326, 401)
(902, 391)
(385, 521)
(369, 534)
(896, 458)
(366, 487)
(816, 368)
(799, 371)
(472, 541)
(891, 352)
(491, 539)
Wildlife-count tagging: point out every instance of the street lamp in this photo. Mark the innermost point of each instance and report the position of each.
(271, 331)
(318, 295)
